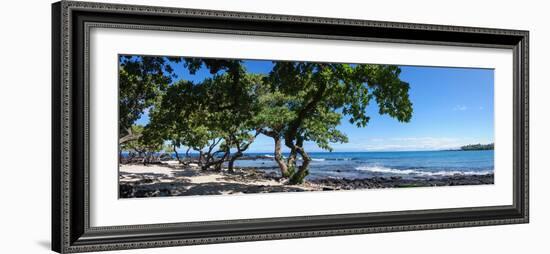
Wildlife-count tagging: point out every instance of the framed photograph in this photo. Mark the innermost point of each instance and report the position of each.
(181, 126)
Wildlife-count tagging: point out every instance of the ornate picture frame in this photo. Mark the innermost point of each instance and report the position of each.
(71, 24)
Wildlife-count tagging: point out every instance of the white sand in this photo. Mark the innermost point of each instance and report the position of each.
(194, 176)
(173, 162)
(212, 178)
(148, 169)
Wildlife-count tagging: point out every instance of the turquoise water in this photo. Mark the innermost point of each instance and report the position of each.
(386, 164)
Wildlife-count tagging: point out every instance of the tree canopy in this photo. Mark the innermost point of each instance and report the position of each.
(312, 98)
(141, 81)
(221, 116)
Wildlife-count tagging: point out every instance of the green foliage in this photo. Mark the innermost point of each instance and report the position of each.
(297, 177)
(142, 145)
(221, 116)
(307, 101)
(319, 90)
(141, 81)
(290, 172)
(213, 116)
(478, 147)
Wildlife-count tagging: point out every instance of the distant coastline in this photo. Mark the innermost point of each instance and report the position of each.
(478, 147)
(474, 147)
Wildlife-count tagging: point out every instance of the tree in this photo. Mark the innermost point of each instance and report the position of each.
(146, 146)
(306, 102)
(233, 103)
(206, 117)
(221, 116)
(272, 118)
(232, 106)
(141, 80)
(180, 118)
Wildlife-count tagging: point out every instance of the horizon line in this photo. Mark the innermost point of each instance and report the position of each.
(367, 151)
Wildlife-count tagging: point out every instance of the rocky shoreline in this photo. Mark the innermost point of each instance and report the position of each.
(398, 182)
(138, 181)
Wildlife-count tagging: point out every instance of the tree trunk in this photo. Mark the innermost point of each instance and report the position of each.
(177, 155)
(292, 134)
(291, 161)
(240, 150)
(129, 137)
(232, 162)
(278, 155)
(219, 163)
(187, 153)
(303, 171)
(211, 161)
(279, 158)
(200, 162)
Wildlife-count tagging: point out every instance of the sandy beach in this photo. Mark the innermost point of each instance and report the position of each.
(170, 178)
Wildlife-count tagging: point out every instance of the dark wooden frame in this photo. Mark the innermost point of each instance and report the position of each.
(71, 22)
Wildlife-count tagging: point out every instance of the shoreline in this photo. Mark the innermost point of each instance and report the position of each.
(269, 155)
(172, 179)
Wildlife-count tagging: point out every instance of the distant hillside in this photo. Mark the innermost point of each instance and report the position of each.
(478, 147)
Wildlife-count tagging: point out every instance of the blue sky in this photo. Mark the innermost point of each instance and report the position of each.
(451, 107)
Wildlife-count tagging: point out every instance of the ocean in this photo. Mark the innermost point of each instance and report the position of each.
(358, 165)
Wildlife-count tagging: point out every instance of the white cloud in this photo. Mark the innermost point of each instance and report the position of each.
(417, 143)
(460, 108)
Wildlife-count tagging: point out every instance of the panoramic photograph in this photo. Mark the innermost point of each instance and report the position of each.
(214, 126)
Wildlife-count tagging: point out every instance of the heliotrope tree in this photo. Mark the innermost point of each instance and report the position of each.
(141, 80)
(146, 147)
(306, 102)
(221, 116)
(213, 116)
(230, 99)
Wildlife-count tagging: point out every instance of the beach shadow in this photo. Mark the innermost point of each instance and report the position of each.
(191, 189)
(155, 175)
(185, 173)
(229, 188)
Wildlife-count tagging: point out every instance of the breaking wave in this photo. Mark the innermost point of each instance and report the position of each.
(381, 169)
